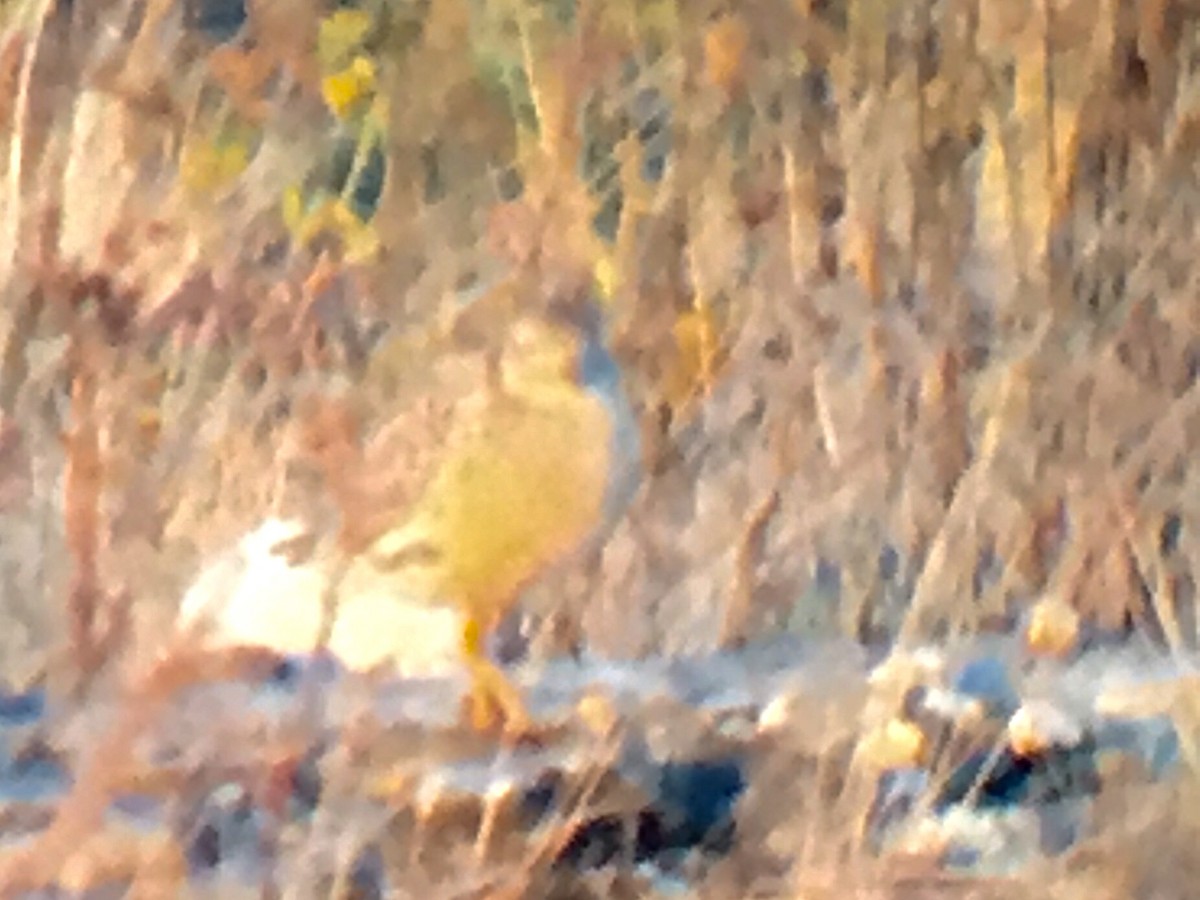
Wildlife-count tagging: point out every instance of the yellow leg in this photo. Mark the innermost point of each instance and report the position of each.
(493, 702)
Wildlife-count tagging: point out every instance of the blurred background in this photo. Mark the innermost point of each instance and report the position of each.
(903, 295)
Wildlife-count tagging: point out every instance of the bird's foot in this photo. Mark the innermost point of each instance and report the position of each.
(494, 705)
(488, 714)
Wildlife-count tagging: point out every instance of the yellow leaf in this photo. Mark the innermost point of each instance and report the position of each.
(331, 216)
(698, 356)
(347, 89)
(340, 34)
(358, 237)
(606, 277)
(651, 19)
(1053, 628)
(725, 45)
(291, 209)
(149, 426)
(305, 218)
(894, 744)
(207, 165)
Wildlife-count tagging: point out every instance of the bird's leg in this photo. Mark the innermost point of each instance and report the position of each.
(493, 701)
(493, 371)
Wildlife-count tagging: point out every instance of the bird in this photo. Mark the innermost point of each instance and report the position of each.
(537, 468)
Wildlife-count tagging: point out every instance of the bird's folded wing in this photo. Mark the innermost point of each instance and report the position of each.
(518, 491)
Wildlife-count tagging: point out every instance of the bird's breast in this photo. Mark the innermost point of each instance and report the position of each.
(521, 492)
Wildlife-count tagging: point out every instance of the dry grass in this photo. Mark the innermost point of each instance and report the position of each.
(909, 319)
